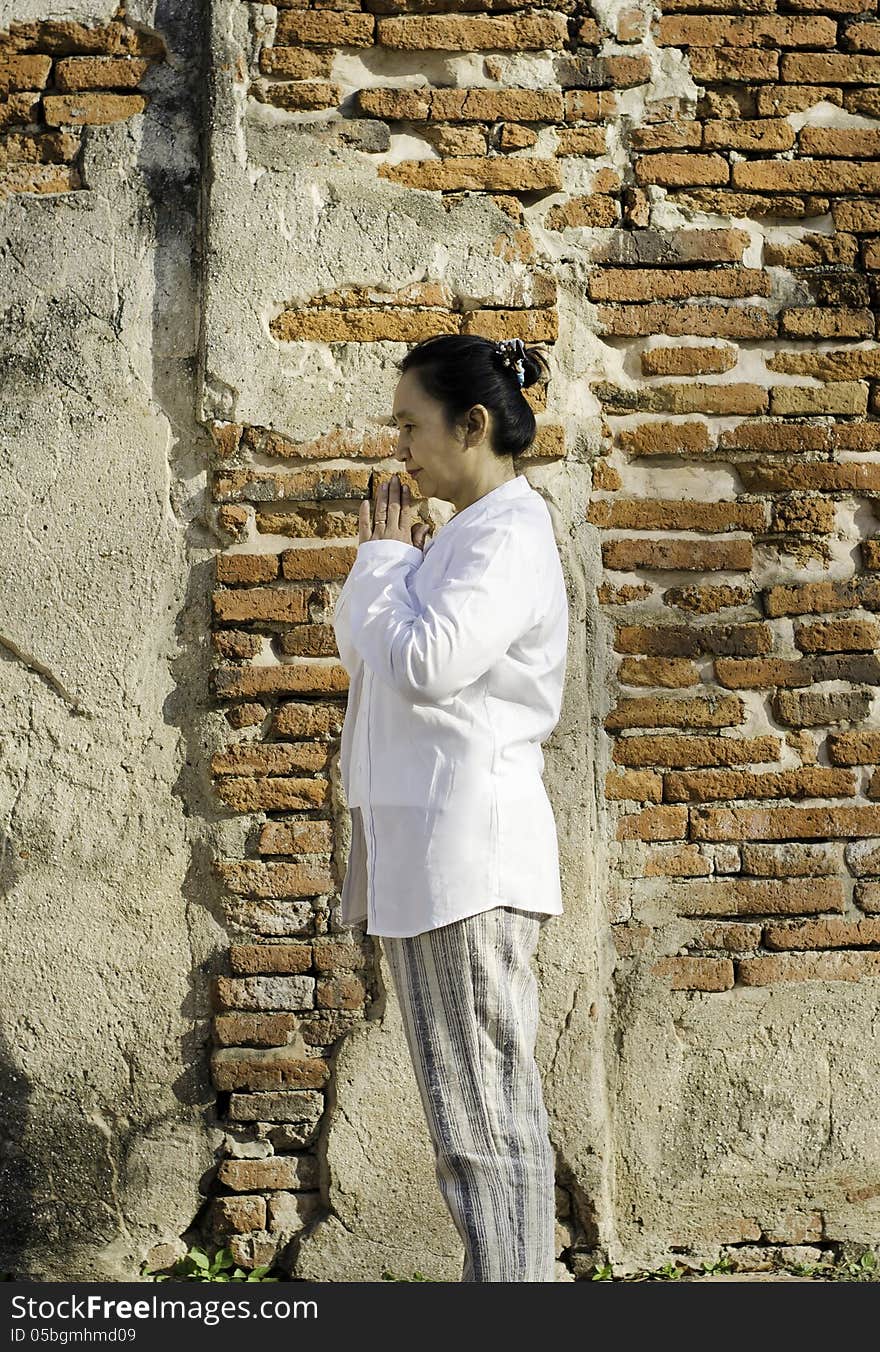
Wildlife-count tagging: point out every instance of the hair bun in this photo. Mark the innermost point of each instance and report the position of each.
(535, 367)
(527, 364)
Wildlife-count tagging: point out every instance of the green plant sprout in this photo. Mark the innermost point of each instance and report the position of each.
(197, 1266)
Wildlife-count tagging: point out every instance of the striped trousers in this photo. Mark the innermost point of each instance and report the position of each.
(469, 1000)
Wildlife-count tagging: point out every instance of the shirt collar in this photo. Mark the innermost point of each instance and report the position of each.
(517, 487)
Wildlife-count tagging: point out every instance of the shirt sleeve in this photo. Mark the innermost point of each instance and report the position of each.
(486, 600)
(408, 556)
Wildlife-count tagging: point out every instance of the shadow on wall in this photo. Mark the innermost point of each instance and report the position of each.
(170, 169)
(16, 1169)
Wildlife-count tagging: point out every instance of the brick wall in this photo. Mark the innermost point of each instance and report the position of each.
(733, 487)
(712, 178)
(57, 76)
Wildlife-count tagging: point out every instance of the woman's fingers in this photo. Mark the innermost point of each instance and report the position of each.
(380, 511)
(419, 532)
(392, 512)
(392, 505)
(364, 531)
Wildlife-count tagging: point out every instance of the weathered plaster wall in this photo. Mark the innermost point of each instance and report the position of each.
(293, 215)
(682, 206)
(107, 926)
(674, 203)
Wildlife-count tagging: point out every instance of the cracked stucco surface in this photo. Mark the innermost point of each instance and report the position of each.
(106, 1108)
(670, 1114)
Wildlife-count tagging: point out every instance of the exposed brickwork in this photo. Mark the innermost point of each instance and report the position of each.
(743, 762)
(56, 77)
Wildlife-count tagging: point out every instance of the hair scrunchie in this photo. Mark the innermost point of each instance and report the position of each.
(511, 354)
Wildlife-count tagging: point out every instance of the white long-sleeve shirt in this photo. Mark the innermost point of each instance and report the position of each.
(456, 660)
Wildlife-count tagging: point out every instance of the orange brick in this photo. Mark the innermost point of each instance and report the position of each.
(732, 65)
(680, 751)
(467, 33)
(765, 134)
(277, 1172)
(686, 361)
(38, 178)
(654, 823)
(696, 712)
(854, 748)
(830, 478)
(812, 598)
(675, 319)
(99, 72)
(246, 568)
(664, 672)
(733, 936)
(500, 173)
(78, 109)
(273, 795)
(678, 135)
(64, 37)
(237, 1215)
(707, 600)
(302, 837)
(284, 959)
(753, 30)
(834, 68)
(676, 861)
(627, 284)
(624, 72)
(296, 63)
(838, 636)
(670, 640)
(262, 603)
(811, 781)
(668, 248)
(836, 933)
(462, 105)
(595, 211)
(824, 322)
(340, 992)
(773, 436)
(23, 73)
(757, 896)
(255, 878)
(699, 555)
(808, 967)
(642, 786)
(784, 823)
(672, 170)
(696, 974)
(310, 28)
(261, 1069)
(291, 678)
(663, 438)
(831, 176)
(334, 955)
(667, 514)
(794, 859)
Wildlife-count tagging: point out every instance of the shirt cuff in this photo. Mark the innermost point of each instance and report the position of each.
(390, 549)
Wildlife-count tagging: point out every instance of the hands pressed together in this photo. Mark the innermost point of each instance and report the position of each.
(393, 516)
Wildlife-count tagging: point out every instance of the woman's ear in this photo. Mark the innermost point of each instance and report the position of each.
(478, 423)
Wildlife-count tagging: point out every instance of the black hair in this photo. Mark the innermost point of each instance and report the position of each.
(462, 369)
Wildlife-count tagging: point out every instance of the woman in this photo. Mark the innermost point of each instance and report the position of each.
(456, 652)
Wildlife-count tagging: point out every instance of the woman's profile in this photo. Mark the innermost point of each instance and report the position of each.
(455, 648)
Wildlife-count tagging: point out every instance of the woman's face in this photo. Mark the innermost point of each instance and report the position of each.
(430, 452)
